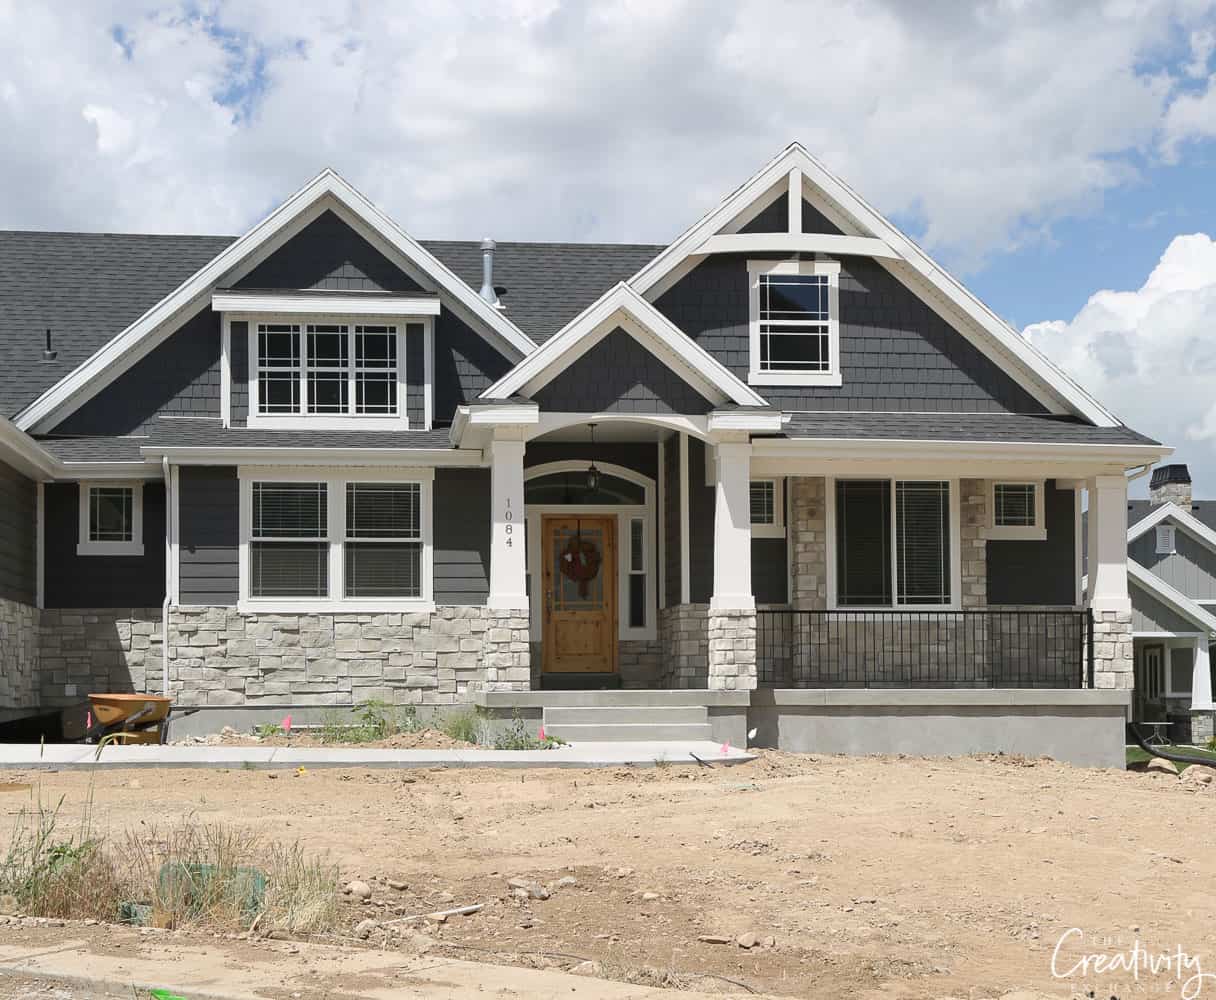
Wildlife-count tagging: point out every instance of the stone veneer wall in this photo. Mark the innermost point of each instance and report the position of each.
(684, 639)
(1113, 667)
(973, 557)
(640, 662)
(19, 640)
(98, 649)
(1203, 726)
(806, 522)
(732, 650)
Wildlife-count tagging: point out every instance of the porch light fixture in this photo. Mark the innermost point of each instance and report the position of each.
(593, 474)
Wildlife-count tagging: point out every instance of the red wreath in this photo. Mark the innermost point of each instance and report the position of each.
(580, 562)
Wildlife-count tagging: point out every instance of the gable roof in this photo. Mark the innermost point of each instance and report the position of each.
(1203, 511)
(1183, 518)
(326, 190)
(808, 178)
(623, 307)
(1169, 596)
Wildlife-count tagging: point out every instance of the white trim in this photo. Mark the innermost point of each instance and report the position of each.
(661, 527)
(829, 269)
(40, 546)
(624, 513)
(1123, 455)
(173, 512)
(1036, 532)
(324, 304)
(326, 189)
(134, 547)
(225, 372)
(955, 529)
(767, 421)
(1175, 599)
(428, 375)
(854, 246)
(27, 455)
(944, 290)
(777, 528)
(335, 481)
(434, 458)
(793, 202)
(685, 533)
(1078, 554)
(1184, 519)
(622, 306)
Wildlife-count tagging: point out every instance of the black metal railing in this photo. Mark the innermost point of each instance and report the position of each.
(925, 649)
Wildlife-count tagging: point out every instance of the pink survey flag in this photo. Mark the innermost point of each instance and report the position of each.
(541, 733)
(287, 723)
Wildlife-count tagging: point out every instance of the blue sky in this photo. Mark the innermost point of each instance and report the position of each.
(1058, 157)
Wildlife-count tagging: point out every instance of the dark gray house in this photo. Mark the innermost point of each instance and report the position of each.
(784, 471)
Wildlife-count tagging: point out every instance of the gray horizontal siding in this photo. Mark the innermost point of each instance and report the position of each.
(1191, 568)
(700, 526)
(18, 513)
(619, 375)
(1150, 615)
(462, 536)
(208, 535)
(895, 352)
(74, 581)
(1038, 572)
(672, 551)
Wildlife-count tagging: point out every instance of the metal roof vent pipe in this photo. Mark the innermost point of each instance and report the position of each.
(49, 354)
(487, 273)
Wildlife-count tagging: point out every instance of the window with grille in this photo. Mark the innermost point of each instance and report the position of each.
(1017, 511)
(794, 322)
(111, 519)
(383, 542)
(893, 543)
(763, 502)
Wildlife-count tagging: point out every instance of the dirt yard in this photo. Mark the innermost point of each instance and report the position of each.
(858, 877)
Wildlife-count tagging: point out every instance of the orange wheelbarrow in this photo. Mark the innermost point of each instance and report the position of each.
(131, 718)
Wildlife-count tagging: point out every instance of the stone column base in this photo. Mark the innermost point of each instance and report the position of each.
(732, 650)
(1113, 650)
(1203, 726)
(507, 650)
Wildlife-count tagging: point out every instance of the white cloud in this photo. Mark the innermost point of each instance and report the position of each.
(582, 119)
(1150, 354)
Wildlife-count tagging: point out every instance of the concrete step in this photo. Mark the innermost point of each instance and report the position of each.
(558, 715)
(632, 731)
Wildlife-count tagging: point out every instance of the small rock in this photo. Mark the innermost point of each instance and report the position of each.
(715, 938)
(649, 897)
(393, 883)
(564, 882)
(534, 889)
(364, 928)
(360, 890)
(1162, 766)
(865, 899)
(769, 942)
(437, 918)
(623, 872)
(445, 897)
(1197, 774)
(747, 939)
(8, 904)
(586, 969)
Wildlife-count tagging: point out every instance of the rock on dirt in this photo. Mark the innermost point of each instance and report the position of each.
(533, 890)
(1162, 766)
(360, 890)
(748, 939)
(1197, 774)
(715, 938)
(364, 928)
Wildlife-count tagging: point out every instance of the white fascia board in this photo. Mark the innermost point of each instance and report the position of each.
(1184, 518)
(25, 454)
(107, 363)
(830, 243)
(870, 223)
(1125, 456)
(735, 420)
(378, 457)
(110, 470)
(508, 413)
(577, 336)
(1158, 588)
(311, 303)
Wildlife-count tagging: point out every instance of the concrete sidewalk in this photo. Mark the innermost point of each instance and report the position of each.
(25, 756)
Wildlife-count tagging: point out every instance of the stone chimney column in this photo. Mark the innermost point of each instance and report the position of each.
(1171, 484)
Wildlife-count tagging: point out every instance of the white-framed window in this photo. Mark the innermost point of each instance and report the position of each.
(1166, 539)
(636, 589)
(1016, 510)
(767, 502)
(1180, 679)
(331, 373)
(893, 543)
(111, 519)
(794, 322)
(340, 540)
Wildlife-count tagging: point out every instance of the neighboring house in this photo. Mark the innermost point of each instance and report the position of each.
(1171, 561)
(330, 462)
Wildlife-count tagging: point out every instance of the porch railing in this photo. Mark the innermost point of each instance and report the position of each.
(925, 649)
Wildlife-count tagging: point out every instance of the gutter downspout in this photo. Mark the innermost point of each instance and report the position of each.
(164, 608)
(1144, 470)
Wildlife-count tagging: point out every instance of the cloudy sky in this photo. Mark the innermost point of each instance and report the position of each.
(1059, 156)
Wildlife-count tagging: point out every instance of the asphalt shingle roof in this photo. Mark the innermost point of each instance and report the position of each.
(1011, 428)
(1202, 510)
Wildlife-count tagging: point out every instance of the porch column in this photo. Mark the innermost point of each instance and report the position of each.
(1108, 595)
(1203, 712)
(506, 649)
(732, 609)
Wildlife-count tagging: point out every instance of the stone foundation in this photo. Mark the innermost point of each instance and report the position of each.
(1113, 650)
(684, 641)
(98, 649)
(732, 650)
(1203, 726)
(19, 640)
(640, 662)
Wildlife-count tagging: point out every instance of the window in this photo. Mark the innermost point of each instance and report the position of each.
(893, 543)
(794, 322)
(111, 519)
(1182, 671)
(1166, 539)
(1017, 511)
(350, 542)
(637, 573)
(768, 508)
(350, 374)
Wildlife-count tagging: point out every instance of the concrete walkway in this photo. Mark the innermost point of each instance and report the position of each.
(25, 756)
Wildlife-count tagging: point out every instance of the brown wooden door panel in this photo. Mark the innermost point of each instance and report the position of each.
(580, 606)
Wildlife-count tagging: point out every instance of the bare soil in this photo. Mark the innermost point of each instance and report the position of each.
(874, 877)
(422, 739)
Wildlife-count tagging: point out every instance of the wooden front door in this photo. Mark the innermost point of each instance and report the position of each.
(580, 614)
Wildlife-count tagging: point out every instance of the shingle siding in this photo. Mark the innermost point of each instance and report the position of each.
(18, 512)
(773, 219)
(238, 360)
(208, 535)
(465, 365)
(672, 548)
(895, 352)
(641, 457)
(415, 375)
(619, 375)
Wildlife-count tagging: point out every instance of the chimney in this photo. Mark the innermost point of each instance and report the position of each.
(1171, 483)
(487, 273)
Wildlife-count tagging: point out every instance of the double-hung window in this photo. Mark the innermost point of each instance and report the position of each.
(767, 502)
(344, 373)
(1018, 511)
(794, 321)
(895, 543)
(336, 542)
(111, 519)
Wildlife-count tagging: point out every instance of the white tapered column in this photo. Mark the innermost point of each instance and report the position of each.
(508, 579)
(732, 608)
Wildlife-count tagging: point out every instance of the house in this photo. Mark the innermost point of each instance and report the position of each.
(783, 472)
(1171, 563)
